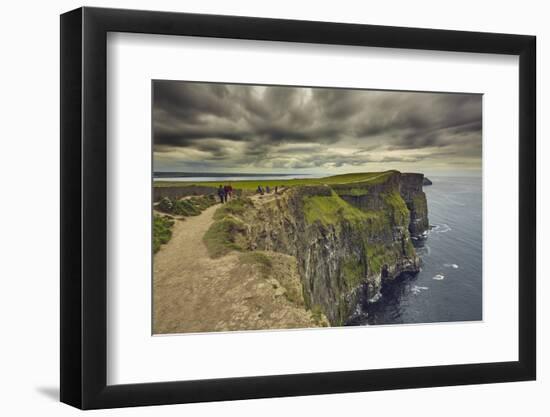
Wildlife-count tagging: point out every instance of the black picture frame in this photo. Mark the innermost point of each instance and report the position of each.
(84, 207)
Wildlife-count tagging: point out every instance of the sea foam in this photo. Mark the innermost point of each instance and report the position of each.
(417, 289)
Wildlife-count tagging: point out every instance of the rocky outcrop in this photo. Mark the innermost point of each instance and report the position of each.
(347, 238)
(415, 198)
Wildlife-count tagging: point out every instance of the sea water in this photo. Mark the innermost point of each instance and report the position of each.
(449, 286)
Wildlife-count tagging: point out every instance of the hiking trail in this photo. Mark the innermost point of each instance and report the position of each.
(194, 293)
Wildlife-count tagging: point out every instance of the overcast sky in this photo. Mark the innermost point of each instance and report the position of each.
(204, 127)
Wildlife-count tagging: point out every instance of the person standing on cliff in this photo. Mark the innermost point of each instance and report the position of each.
(221, 194)
(226, 192)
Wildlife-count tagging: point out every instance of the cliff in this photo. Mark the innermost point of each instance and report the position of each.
(415, 198)
(348, 239)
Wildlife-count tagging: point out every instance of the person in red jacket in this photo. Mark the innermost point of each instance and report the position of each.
(226, 192)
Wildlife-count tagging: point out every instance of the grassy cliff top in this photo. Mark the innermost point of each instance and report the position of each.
(331, 209)
(363, 177)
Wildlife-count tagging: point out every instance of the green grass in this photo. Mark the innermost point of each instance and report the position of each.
(221, 238)
(332, 209)
(353, 273)
(370, 178)
(234, 207)
(363, 177)
(165, 205)
(399, 210)
(223, 235)
(203, 202)
(379, 255)
(162, 231)
(186, 208)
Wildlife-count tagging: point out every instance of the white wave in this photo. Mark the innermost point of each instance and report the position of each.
(454, 266)
(441, 228)
(375, 298)
(439, 277)
(415, 289)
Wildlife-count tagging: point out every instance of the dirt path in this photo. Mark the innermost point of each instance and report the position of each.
(194, 293)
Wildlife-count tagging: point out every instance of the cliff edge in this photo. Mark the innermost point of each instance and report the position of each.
(347, 238)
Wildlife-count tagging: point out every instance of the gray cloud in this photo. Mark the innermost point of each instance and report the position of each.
(252, 128)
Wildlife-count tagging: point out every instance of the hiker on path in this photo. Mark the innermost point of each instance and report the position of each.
(221, 194)
(267, 190)
(226, 192)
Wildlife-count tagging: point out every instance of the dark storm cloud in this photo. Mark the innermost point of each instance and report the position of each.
(288, 127)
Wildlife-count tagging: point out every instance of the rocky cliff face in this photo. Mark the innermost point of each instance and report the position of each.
(415, 198)
(346, 238)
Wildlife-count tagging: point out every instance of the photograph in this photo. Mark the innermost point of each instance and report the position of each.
(295, 207)
(245, 197)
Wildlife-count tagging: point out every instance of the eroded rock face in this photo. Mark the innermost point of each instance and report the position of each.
(415, 198)
(345, 238)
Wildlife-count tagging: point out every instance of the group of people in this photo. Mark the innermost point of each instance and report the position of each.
(260, 190)
(225, 192)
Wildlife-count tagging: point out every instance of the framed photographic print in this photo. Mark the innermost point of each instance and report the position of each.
(257, 207)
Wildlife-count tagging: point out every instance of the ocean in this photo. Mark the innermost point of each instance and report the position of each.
(449, 286)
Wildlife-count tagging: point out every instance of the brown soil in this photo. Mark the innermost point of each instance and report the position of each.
(194, 293)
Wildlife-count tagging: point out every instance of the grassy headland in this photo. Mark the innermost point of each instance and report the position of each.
(331, 209)
(360, 221)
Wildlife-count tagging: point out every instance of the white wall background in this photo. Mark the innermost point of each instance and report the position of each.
(29, 225)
